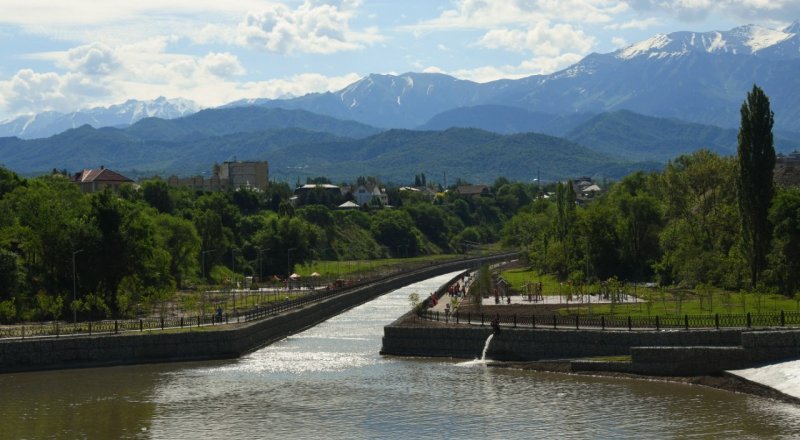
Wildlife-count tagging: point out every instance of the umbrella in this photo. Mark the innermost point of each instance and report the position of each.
(294, 276)
(315, 274)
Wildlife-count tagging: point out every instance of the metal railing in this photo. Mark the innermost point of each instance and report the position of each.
(617, 322)
(61, 329)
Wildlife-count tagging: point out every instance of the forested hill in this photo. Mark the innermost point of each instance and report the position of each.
(471, 154)
(638, 137)
(224, 121)
(86, 147)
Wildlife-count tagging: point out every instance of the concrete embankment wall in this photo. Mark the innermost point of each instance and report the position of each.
(754, 348)
(536, 344)
(202, 344)
(680, 353)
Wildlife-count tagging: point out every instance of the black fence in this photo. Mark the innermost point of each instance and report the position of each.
(617, 322)
(60, 328)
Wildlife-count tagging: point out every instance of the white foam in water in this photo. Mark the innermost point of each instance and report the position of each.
(784, 377)
(482, 360)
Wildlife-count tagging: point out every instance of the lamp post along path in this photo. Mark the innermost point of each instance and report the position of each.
(74, 287)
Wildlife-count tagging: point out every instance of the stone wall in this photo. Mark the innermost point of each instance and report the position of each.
(535, 344)
(201, 344)
(676, 352)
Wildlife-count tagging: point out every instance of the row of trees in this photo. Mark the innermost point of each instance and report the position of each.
(115, 252)
(705, 219)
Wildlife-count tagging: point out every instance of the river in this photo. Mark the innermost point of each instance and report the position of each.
(330, 382)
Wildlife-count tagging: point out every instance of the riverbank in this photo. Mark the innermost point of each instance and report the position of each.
(697, 356)
(221, 342)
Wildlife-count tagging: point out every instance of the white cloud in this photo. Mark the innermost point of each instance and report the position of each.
(311, 28)
(295, 85)
(641, 24)
(619, 42)
(32, 92)
(487, 14)
(223, 65)
(533, 66)
(698, 10)
(91, 59)
(541, 38)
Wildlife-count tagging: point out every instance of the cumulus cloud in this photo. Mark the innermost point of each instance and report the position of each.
(539, 65)
(640, 24)
(91, 59)
(31, 92)
(698, 10)
(223, 65)
(619, 42)
(311, 28)
(295, 85)
(487, 14)
(541, 38)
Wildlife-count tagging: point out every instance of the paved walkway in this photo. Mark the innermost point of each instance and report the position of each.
(446, 299)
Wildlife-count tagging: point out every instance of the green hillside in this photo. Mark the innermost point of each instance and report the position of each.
(638, 137)
(470, 154)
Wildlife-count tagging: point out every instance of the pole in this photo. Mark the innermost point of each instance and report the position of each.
(233, 276)
(288, 267)
(261, 264)
(74, 287)
(204, 262)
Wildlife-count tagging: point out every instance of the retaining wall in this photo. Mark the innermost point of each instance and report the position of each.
(203, 344)
(676, 352)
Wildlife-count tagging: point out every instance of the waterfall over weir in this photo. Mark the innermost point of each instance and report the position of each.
(482, 360)
(486, 347)
(783, 376)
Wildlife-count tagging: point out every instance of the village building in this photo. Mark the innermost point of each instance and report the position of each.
(787, 170)
(227, 176)
(370, 194)
(98, 179)
(473, 190)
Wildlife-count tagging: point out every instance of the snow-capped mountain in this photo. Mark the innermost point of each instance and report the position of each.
(743, 40)
(118, 115)
(697, 77)
(389, 101)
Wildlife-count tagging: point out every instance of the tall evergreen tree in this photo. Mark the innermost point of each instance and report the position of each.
(756, 161)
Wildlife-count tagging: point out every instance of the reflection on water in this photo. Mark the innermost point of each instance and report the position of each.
(330, 382)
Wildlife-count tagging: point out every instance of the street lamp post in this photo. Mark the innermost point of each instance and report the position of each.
(233, 276)
(204, 262)
(261, 269)
(74, 287)
(233, 264)
(289, 267)
(261, 264)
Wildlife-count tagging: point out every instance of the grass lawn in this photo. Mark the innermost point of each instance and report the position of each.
(662, 302)
(349, 269)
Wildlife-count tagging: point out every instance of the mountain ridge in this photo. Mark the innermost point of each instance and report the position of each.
(700, 86)
(47, 124)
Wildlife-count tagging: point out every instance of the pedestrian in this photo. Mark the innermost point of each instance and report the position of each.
(496, 324)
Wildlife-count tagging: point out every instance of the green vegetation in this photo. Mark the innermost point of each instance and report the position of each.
(754, 185)
(687, 227)
(65, 255)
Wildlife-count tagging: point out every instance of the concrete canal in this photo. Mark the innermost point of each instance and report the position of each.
(330, 382)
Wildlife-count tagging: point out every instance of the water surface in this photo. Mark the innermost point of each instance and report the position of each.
(330, 382)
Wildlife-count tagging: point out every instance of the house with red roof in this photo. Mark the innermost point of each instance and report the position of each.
(97, 179)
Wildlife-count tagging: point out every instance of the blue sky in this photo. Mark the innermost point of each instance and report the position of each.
(65, 55)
